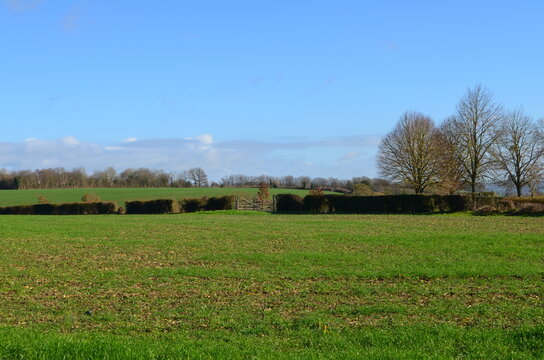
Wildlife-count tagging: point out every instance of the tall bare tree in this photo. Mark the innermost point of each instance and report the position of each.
(198, 177)
(450, 169)
(518, 150)
(474, 129)
(535, 178)
(408, 154)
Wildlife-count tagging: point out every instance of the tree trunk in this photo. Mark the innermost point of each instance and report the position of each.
(518, 189)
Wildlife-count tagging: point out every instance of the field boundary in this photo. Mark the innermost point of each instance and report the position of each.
(255, 204)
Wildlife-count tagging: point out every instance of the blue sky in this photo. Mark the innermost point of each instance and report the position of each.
(274, 87)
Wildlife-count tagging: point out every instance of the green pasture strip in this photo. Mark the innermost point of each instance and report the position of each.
(121, 195)
(233, 284)
(409, 342)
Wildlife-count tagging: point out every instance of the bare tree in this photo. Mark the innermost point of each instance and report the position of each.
(109, 176)
(474, 129)
(535, 178)
(198, 177)
(288, 181)
(304, 181)
(408, 154)
(450, 169)
(518, 150)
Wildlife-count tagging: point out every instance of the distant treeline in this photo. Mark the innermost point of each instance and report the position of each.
(60, 178)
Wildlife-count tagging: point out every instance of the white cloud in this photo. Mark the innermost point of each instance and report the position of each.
(205, 138)
(350, 156)
(70, 141)
(337, 157)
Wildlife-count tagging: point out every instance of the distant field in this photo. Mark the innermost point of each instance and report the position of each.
(26, 197)
(237, 285)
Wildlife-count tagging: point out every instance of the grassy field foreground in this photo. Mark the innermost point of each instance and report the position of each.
(248, 285)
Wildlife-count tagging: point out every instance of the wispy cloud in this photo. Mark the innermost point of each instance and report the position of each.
(350, 156)
(364, 141)
(355, 155)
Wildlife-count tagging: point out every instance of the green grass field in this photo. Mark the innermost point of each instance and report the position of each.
(120, 195)
(237, 285)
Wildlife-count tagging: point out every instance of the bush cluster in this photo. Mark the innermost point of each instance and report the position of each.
(220, 203)
(381, 204)
(521, 206)
(193, 205)
(169, 206)
(95, 208)
(289, 203)
(90, 198)
(158, 206)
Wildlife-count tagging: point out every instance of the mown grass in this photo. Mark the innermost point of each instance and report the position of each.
(121, 195)
(252, 285)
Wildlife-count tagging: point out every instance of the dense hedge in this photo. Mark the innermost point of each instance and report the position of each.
(169, 206)
(18, 210)
(382, 204)
(526, 200)
(521, 205)
(95, 208)
(289, 203)
(193, 205)
(220, 203)
(158, 206)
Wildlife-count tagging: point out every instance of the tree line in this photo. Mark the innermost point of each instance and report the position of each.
(59, 178)
(481, 143)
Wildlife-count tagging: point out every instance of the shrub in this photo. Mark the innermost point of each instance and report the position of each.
(316, 191)
(94, 208)
(43, 209)
(263, 195)
(486, 210)
(193, 205)
(62, 209)
(158, 206)
(506, 205)
(289, 203)
(317, 204)
(530, 209)
(43, 200)
(17, 210)
(484, 199)
(454, 203)
(220, 203)
(532, 200)
(90, 198)
(386, 203)
(362, 190)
